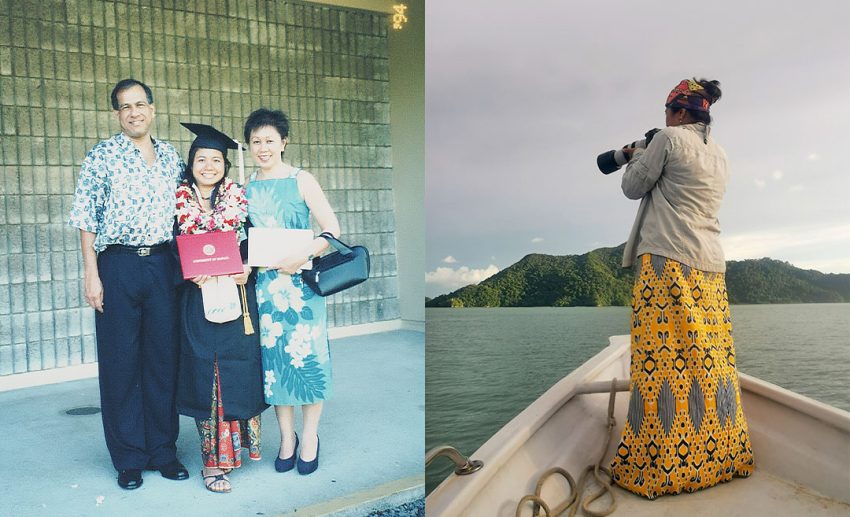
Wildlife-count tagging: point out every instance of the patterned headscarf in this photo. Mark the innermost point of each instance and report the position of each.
(688, 94)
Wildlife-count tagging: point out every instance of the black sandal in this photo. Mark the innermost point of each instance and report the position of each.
(215, 479)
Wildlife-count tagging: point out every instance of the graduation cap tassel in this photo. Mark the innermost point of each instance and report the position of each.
(246, 317)
(241, 161)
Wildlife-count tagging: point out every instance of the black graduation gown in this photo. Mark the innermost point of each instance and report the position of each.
(239, 360)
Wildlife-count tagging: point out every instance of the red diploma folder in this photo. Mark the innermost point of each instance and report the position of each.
(213, 253)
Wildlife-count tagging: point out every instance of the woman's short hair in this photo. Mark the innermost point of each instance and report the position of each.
(265, 117)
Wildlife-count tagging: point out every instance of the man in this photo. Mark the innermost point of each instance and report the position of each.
(124, 208)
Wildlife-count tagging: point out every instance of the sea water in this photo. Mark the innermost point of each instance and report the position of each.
(484, 366)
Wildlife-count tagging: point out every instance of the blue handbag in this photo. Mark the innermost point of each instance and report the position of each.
(334, 272)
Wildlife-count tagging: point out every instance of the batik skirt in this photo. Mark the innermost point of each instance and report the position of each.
(222, 441)
(685, 428)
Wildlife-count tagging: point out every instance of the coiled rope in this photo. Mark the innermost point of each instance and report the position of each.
(597, 470)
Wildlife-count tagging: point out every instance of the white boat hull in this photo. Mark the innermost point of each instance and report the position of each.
(801, 448)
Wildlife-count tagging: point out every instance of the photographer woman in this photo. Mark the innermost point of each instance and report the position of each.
(686, 428)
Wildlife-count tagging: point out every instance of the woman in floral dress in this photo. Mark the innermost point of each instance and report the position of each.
(293, 319)
(220, 377)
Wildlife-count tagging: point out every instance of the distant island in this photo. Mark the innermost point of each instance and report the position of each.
(596, 279)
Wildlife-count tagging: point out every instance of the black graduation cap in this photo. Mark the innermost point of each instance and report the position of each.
(210, 137)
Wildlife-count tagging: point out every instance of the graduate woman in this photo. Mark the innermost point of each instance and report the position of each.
(220, 380)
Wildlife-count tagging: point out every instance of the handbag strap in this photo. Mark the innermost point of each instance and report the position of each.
(336, 243)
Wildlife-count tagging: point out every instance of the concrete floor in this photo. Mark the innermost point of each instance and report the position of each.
(372, 435)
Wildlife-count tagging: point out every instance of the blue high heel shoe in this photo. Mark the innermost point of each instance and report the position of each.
(289, 463)
(308, 467)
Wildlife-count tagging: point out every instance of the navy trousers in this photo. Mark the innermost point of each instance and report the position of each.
(137, 349)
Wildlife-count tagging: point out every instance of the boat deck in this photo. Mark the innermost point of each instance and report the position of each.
(800, 447)
(760, 494)
(372, 435)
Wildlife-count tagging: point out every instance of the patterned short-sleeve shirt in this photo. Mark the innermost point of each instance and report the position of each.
(124, 200)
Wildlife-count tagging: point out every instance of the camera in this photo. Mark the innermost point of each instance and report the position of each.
(611, 161)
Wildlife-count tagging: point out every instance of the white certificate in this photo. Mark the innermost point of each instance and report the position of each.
(268, 246)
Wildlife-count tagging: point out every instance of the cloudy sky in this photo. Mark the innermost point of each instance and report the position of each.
(522, 96)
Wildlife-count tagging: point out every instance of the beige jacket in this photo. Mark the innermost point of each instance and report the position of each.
(680, 179)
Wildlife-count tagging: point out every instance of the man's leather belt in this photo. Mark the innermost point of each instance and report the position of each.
(142, 251)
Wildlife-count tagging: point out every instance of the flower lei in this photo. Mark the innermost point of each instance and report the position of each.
(228, 214)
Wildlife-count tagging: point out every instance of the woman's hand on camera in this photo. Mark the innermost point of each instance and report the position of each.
(242, 278)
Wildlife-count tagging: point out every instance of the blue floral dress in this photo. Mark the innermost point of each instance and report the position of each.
(293, 319)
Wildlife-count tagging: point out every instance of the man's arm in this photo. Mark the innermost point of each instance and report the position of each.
(88, 201)
(93, 286)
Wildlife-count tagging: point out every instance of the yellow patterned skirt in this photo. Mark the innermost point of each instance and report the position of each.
(685, 428)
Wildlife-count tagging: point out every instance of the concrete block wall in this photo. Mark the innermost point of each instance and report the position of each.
(211, 61)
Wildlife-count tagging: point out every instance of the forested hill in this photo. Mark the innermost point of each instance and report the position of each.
(597, 279)
(772, 281)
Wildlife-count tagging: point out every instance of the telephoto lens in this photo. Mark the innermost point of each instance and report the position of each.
(611, 161)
